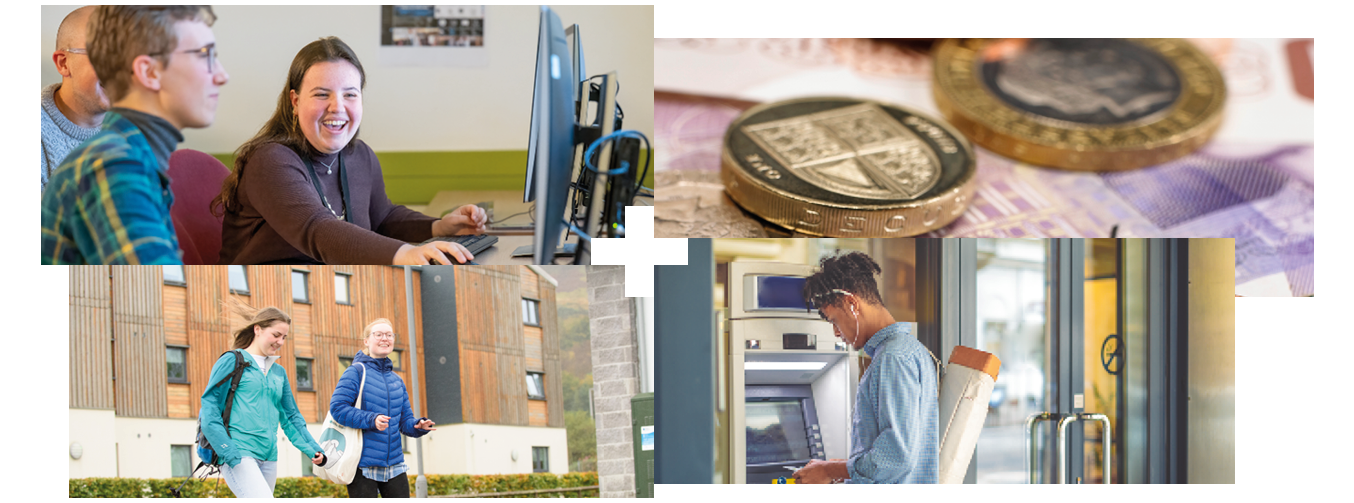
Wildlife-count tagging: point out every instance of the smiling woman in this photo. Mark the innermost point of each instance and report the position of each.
(256, 404)
(306, 190)
(383, 415)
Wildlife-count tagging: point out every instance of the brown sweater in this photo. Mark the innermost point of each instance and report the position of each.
(283, 221)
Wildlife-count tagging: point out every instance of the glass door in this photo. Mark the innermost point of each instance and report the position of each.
(1012, 284)
(1051, 310)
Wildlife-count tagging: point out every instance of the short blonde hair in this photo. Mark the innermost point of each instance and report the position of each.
(366, 332)
(119, 33)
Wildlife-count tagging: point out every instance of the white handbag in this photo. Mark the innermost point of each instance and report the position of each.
(342, 445)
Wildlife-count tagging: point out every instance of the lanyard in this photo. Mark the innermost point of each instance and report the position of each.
(343, 186)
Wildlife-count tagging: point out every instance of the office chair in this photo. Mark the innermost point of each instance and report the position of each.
(195, 179)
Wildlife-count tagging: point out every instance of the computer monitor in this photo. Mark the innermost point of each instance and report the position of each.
(551, 144)
(782, 431)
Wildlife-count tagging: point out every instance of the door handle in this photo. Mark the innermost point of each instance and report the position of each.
(1104, 440)
(1063, 447)
(1032, 460)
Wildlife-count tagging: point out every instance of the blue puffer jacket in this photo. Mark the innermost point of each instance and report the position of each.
(383, 394)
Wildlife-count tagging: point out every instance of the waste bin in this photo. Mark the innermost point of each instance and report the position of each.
(641, 423)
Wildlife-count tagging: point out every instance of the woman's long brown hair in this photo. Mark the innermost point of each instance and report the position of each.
(283, 127)
(264, 318)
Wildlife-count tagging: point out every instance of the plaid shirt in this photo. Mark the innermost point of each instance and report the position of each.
(895, 426)
(108, 202)
(384, 473)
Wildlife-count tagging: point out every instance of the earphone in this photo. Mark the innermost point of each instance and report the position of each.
(853, 313)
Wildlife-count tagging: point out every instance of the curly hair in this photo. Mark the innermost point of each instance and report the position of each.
(852, 272)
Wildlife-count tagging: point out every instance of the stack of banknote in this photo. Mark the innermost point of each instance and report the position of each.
(1253, 182)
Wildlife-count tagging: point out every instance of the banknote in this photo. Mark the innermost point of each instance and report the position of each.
(1258, 193)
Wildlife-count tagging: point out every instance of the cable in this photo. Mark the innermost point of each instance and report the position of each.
(578, 232)
(624, 133)
(530, 211)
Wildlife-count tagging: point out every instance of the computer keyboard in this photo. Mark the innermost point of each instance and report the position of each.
(475, 243)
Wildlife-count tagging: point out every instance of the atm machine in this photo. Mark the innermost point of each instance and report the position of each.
(790, 381)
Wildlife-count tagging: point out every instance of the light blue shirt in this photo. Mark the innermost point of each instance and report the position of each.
(895, 426)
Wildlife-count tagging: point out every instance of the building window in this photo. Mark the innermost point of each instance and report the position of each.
(396, 358)
(535, 386)
(176, 364)
(180, 460)
(540, 459)
(347, 361)
(531, 312)
(239, 281)
(174, 275)
(303, 381)
(300, 287)
(341, 289)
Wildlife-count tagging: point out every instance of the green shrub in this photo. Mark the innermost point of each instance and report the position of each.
(313, 487)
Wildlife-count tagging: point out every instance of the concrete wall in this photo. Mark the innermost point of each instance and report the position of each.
(615, 377)
(409, 108)
(139, 447)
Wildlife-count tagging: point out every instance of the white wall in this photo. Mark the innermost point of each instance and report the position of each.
(94, 431)
(483, 449)
(410, 108)
(139, 447)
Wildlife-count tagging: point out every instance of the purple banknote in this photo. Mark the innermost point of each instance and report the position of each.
(1261, 195)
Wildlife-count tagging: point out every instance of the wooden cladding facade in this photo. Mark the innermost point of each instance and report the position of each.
(91, 343)
(496, 348)
(124, 317)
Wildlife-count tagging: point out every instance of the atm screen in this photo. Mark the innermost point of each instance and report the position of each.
(780, 292)
(776, 432)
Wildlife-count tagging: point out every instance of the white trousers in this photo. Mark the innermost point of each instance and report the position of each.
(251, 478)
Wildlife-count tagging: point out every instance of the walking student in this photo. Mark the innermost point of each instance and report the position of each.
(262, 401)
(385, 415)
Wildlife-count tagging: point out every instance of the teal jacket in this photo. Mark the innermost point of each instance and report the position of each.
(262, 402)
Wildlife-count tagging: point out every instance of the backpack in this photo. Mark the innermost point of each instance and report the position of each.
(205, 453)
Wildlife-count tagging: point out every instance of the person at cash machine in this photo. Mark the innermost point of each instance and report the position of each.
(894, 428)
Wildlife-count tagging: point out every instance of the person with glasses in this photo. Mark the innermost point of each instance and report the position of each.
(895, 427)
(108, 202)
(385, 415)
(306, 190)
(73, 108)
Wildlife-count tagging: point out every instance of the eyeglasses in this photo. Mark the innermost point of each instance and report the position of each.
(208, 50)
(383, 335)
(77, 51)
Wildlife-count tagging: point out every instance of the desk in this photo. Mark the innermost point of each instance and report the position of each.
(501, 252)
(505, 204)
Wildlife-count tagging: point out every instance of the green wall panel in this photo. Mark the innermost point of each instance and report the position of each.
(414, 177)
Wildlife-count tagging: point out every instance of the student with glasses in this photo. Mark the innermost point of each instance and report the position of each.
(385, 415)
(109, 201)
(72, 109)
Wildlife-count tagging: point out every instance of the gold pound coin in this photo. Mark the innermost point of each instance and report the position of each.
(1080, 104)
(844, 167)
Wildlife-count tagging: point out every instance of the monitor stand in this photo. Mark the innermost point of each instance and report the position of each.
(526, 251)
